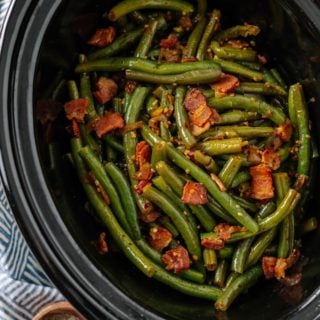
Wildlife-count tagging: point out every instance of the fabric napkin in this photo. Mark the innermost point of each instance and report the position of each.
(24, 287)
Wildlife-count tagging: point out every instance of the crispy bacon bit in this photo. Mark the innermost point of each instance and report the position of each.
(225, 85)
(170, 55)
(225, 231)
(276, 267)
(285, 130)
(75, 128)
(201, 115)
(262, 59)
(109, 122)
(177, 259)
(144, 173)
(159, 238)
(261, 184)
(212, 243)
(170, 42)
(270, 158)
(268, 265)
(103, 37)
(106, 90)
(132, 127)
(76, 109)
(218, 181)
(139, 187)
(149, 217)
(48, 111)
(194, 99)
(143, 153)
(253, 154)
(238, 44)
(194, 193)
(185, 22)
(102, 243)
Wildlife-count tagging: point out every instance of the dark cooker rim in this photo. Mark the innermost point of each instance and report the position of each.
(61, 258)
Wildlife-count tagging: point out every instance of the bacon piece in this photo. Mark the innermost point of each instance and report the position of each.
(201, 115)
(159, 238)
(149, 217)
(143, 153)
(270, 158)
(194, 99)
(76, 109)
(176, 259)
(261, 184)
(268, 265)
(262, 59)
(226, 84)
(225, 231)
(285, 131)
(109, 122)
(198, 131)
(130, 86)
(170, 55)
(190, 59)
(75, 128)
(106, 90)
(253, 154)
(102, 243)
(47, 111)
(144, 173)
(185, 22)
(103, 37)
(213, 243)
(139, 187)
(194, 193)
(170, 42)
(238, 44)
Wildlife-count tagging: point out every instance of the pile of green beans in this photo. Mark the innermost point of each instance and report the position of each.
(249, 117)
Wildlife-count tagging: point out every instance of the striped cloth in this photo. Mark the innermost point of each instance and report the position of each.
(24, 287)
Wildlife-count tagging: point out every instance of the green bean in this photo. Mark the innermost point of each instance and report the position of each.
(251, 65)
(287, 205)
(147, 37)
(267, 88)
(220, 212)
(221, 274)
(246, 204)
(159, 153)
(225, 146)
(265, 211)
(236, 32)
(238, 286)
(117, 105)
(230, 53)
(210, 259)
(138, 17)
(232, 276)
(181, 117)
(204, 217)
(195, 38)
(276, 74)
(260, 245)
(120, 44)
(236, 116)
(97, 168)
(186, 78)
(126, 197)
(117, 233)
(249, 104)
(205, 161)
(113, 142)
(238, 69)
(181, 223)
(152, 104)
(166, 223)
(299, 116)
(271, 251)
(202, 7)
(164, 131)
(229, 170)
(241, 177)
(110, 154)
(209, 31)
(286, 234)
(240, 255)
(268, 77)
(127, 6)
(86, 93)
(226, 252)
(134, 108)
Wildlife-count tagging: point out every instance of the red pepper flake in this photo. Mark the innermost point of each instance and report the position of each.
(159, 238)
(109, 122)
(225, 231)
(76, 109)
(261, 184)
(194, 193)
(103, 37)
(176, 259)
(106, 90)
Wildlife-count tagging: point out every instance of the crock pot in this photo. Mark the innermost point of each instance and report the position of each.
(40, 39)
